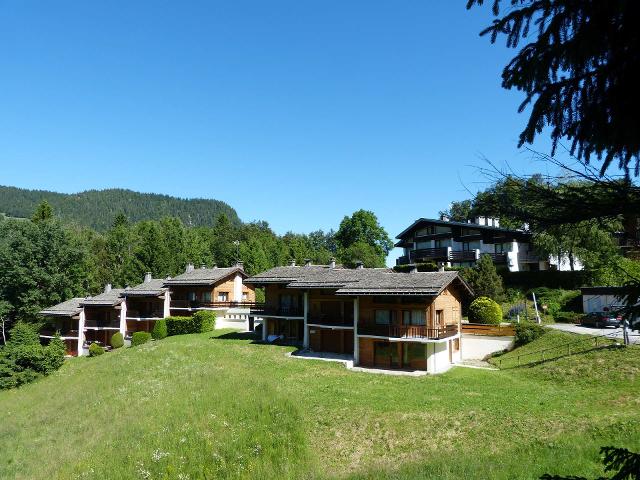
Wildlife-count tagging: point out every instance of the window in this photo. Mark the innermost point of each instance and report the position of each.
(413, 317)
(414, 352)
(383, 317)
(244, 296)
(439, 317)
(499, 247)
(223, 296)
(206, 297)
(466, 247)
(441, 243)
(191, 296)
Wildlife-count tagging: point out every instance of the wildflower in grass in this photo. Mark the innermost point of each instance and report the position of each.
(159, 455)
(143, 472)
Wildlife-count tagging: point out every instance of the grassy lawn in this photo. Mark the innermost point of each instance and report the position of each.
(217, 406)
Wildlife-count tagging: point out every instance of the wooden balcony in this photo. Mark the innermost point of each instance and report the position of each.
(428, 254)
(528, 258)
(497, 257)
(198, 304)
(135, 314)
(330, 321)
(47, 333)
(260, 309)
(408, 331)
(102, 325)
(462, 255)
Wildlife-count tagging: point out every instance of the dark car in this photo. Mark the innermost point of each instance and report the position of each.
(602, 319)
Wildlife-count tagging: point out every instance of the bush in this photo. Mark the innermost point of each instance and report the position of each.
(95, 350)
(527, 332)
(159, 330)
(139, 338)
(567, 317)
(202, 321)
(117, 340)
(485, 310)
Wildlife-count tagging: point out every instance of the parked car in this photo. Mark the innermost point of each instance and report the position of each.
(602, 319)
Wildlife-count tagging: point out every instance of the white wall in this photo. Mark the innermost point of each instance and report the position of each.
(438, 357)
(597, 303)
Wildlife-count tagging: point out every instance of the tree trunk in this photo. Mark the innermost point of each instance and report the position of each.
(4, 339)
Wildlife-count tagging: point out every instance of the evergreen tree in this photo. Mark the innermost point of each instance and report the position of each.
(222, 237)
(484, 280)
(43, 212)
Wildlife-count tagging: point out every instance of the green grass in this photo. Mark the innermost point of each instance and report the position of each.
(205, 406)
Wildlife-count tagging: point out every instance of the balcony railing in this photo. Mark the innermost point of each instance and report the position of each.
(528, 258)
(199, 304)
(102, 324)
(462, 255)
(282, 311)
(428, 253)
(408, 331)
(498, 257)
(145, 314)
(52, 333)
(330, 321)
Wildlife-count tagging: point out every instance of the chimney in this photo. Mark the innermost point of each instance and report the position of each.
(413, 269)
(307, 262)
(107, 288)
(359, 265)
(240, 264)
(147, 277)
(441, 266)
(444, 218)
(292, 262)
(189, 268)
(332, 262)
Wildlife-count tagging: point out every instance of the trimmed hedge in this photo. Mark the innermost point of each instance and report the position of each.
(95, 350)
(117, 340)
(484, 310)
(202, 321)
(527, 332)
(547, 278)
(159, 330)
(139, 338)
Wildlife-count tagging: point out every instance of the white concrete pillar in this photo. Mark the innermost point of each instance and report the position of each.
(356, 319)
(264, 329)
(123, 317)
(477, 254)
(81, 333)
(237, 289)
(305, 339)
(449, 249)
(166, 309)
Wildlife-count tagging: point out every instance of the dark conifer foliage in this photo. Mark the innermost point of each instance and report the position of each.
(578, 68)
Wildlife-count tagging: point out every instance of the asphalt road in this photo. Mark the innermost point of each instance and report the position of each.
(610, 332)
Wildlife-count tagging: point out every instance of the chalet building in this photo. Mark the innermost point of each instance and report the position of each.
(461, 244)
(217, 289)
(146, 303)
(383, 318)
(67, 320)
(105, 314)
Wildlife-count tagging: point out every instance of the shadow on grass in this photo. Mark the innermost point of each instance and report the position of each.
(528, 364)
(237, 336)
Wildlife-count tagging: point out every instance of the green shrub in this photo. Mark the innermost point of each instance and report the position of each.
(95, 350)
(159, 330)
(139, 338)
(202, 321)
(485, 310)
(117, 340)
(527, 332)
(567, 317)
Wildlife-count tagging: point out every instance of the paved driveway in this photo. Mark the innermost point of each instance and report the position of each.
(610, 332)
(477, 347)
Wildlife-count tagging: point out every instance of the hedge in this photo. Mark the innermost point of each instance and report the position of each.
(527, 332)
(139, 338)
(95, 350)
(548, 278)
(485, 310)
(202, 321)
(159, 330)
(117, 340)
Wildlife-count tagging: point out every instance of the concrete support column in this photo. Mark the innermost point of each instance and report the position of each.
(81, 333)
(305, 340)
(123, 317)
(264, 329)
(356, 320)
(166, 310)
(449, 249)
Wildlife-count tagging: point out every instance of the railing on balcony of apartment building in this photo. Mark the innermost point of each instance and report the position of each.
(330, 321)
(528, 258)
(462, 255)
(115, 324)
(498, 257)
(48, 332)
(428, 253)
(199, 304)
(408, 331)
(281, 311)
(144, 314)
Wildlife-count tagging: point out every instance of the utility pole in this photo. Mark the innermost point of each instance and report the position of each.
(535, 305)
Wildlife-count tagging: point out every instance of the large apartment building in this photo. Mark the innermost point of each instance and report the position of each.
(383, 318)
(462, 244)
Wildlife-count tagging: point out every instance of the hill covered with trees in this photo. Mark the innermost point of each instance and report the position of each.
(97, 208)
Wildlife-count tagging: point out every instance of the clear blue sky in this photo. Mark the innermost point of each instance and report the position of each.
(294, 112)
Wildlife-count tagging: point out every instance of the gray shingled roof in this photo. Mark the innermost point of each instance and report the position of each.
(108, 299)
(203, 276)
(154, 288)
(366, 281)
(65, 309)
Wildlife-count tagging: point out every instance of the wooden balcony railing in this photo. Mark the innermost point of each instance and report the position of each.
(199, 304)
(102, 324)
(528, 258)
(45, 332)
(498, 257)
(282, 311)
(145, 314)
(462, 255)
(408, 331)
(428, 253)
(330, 321)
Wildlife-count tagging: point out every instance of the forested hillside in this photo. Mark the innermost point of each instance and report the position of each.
(97, 208)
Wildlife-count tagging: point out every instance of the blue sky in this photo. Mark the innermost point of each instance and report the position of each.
(293, 112)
